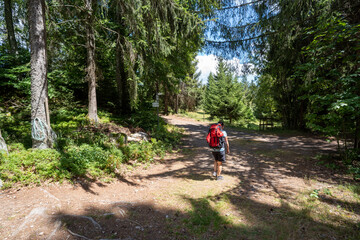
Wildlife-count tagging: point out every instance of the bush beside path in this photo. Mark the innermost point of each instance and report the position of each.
(274, 188)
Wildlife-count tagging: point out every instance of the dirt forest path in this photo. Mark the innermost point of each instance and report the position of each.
(177, 198)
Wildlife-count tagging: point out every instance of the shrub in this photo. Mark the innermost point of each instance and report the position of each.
(30, 166)
(143, 151)
(169, 135)
(82, 149)
(91, 160)
(147, 120)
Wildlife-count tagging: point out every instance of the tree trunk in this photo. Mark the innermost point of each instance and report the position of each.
(118, 77)
(3, 146)
(39, 94)
(166, 101)
(10, 26)
(121, 80)
(121, 75)
(177, 104)
(357, 133)
(91, 66)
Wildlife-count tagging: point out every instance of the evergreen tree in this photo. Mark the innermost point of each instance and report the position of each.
(14, 51)
(265, 105)
(225, 96)
(211, 98)
(189, 96)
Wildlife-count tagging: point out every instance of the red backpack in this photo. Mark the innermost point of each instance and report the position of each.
(215, 136)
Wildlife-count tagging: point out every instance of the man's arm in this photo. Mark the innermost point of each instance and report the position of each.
(227, 145)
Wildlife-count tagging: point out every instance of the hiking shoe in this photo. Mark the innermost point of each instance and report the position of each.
(214, 174)
(220, 178)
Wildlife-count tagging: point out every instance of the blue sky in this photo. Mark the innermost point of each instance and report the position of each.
(231, 18)
(208, 63)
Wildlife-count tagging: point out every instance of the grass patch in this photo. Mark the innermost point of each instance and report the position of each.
(318, 213)
(340, 163)
(204, 218)
(328, 161)
(199, 115)
(337, 207)
(242, 125)
(353, 188)
(243, 142)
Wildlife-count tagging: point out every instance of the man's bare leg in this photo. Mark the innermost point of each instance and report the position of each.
(215, 166)
(219, 168)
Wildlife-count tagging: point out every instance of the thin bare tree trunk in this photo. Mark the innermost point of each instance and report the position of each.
(177, 104)
(10, 26)
(39, 94)
(166, 101)
(119, 65)
(91, 66)
(357, 133)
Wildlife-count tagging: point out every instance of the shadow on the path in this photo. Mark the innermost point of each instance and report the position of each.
(258, 162)
(201, 220)
(254, 158)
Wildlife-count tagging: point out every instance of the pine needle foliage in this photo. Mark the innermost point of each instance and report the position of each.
(225, 96)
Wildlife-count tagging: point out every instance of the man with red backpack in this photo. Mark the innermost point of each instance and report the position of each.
(217, 139)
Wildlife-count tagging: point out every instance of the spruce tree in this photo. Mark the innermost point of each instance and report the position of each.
(225, 96)
(211, 97)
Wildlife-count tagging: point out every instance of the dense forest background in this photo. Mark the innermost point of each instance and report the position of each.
(73, 71)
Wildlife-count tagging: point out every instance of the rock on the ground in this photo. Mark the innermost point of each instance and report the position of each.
(137, 137)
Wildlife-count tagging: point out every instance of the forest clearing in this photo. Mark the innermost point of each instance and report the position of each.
(274, 188)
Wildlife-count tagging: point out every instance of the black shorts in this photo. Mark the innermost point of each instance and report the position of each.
(219, 156)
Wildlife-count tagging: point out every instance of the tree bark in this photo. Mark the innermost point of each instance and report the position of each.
(121, 74)
(10, 26)
(357, 133)
(177, 103)
(166, 101)
(39, 94)
(91, 65)
(122, 83)
(3, 146)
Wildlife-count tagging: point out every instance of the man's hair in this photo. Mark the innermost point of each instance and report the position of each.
(222, 123)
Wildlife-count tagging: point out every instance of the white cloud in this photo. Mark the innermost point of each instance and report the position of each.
(208, 63)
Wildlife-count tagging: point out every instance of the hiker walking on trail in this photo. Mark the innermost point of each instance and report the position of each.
(218, 142)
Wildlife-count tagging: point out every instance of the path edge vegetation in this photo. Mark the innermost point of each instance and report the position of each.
(86, 150)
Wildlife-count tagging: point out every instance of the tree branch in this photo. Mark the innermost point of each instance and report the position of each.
(237, 27)
(78, 235)
(72, 20)
(78, 7)
(241, 5)
(239, 40)
(232, 7)
(109, 29)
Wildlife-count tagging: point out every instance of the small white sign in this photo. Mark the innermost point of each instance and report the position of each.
(155, 104)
